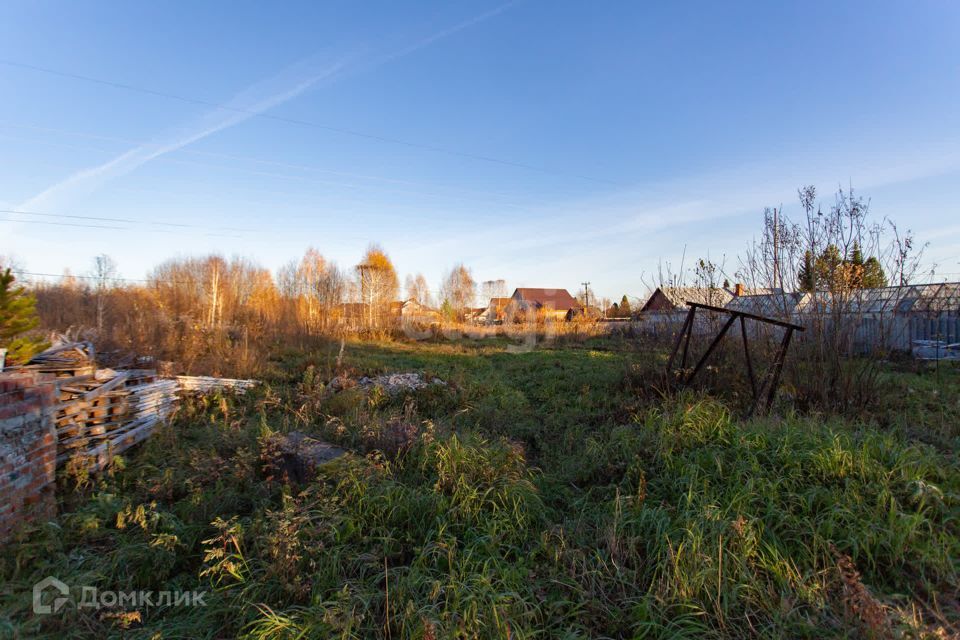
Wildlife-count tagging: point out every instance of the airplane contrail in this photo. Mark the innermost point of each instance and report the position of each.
(250, 103)
(88, 180)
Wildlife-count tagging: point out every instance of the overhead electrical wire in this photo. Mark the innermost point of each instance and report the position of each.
(242, 158)
(125, 220)
(301, 122)
(70, 275)
(495, 199)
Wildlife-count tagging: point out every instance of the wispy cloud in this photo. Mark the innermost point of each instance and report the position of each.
(621, 234)
(252, 102)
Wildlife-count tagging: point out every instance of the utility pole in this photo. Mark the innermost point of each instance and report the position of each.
(586, 296)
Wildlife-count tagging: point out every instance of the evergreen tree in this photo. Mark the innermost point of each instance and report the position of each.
(856, 256)
(447, 310)
(806, 278)
(873, 275)
(624, 307)
(828, 268)
(853, 268)
(18, 316)
(832, 270)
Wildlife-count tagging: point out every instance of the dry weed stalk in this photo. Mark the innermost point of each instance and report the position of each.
(858, 602)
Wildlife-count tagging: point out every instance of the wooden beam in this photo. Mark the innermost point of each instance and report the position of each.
(686, 343)
(114, 382)
(713, 345)
(779, 323)
(778, 367)
(746, 355)
(676, 347)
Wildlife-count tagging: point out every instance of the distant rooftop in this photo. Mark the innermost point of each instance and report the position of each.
(559, 299)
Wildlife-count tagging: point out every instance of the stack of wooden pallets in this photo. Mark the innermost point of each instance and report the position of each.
(111, 412)
(102, 412)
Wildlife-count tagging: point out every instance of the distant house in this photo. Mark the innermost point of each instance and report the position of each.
(556, 304)
(357, 314)
(495, 310)
(352, 313)
(674, 299)
(412, 311)
(472, 314)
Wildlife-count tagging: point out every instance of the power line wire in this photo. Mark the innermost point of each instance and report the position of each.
(243, 158)
(73, 224)
(102, 226)
(300, 122)
(136, 229)
(66, 275)
(70, 275)
(127, 220)
(457, 193)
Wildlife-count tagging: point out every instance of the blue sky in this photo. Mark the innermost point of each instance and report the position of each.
(545, 143)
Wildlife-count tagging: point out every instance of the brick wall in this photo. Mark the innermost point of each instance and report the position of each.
(28, 447)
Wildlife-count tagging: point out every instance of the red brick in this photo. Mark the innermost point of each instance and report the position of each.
(29, 448)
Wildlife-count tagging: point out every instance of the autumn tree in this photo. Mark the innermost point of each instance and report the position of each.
(215, 293)
(418, 289)
(18, 317)
(378, 284)
(625, 310)
(493, 289)
(313, 287)
(459, 290)
(104, 274)
(192, 288)
(586, 297)
(253, 300)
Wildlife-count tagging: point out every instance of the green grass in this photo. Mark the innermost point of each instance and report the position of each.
(537, 495)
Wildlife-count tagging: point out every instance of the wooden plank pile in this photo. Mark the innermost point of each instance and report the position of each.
(206, 384)
(67, 360)
(112, 412)
(102, 412)
(74, 360)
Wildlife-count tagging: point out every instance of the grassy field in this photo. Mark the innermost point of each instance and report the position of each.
(548, 494)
